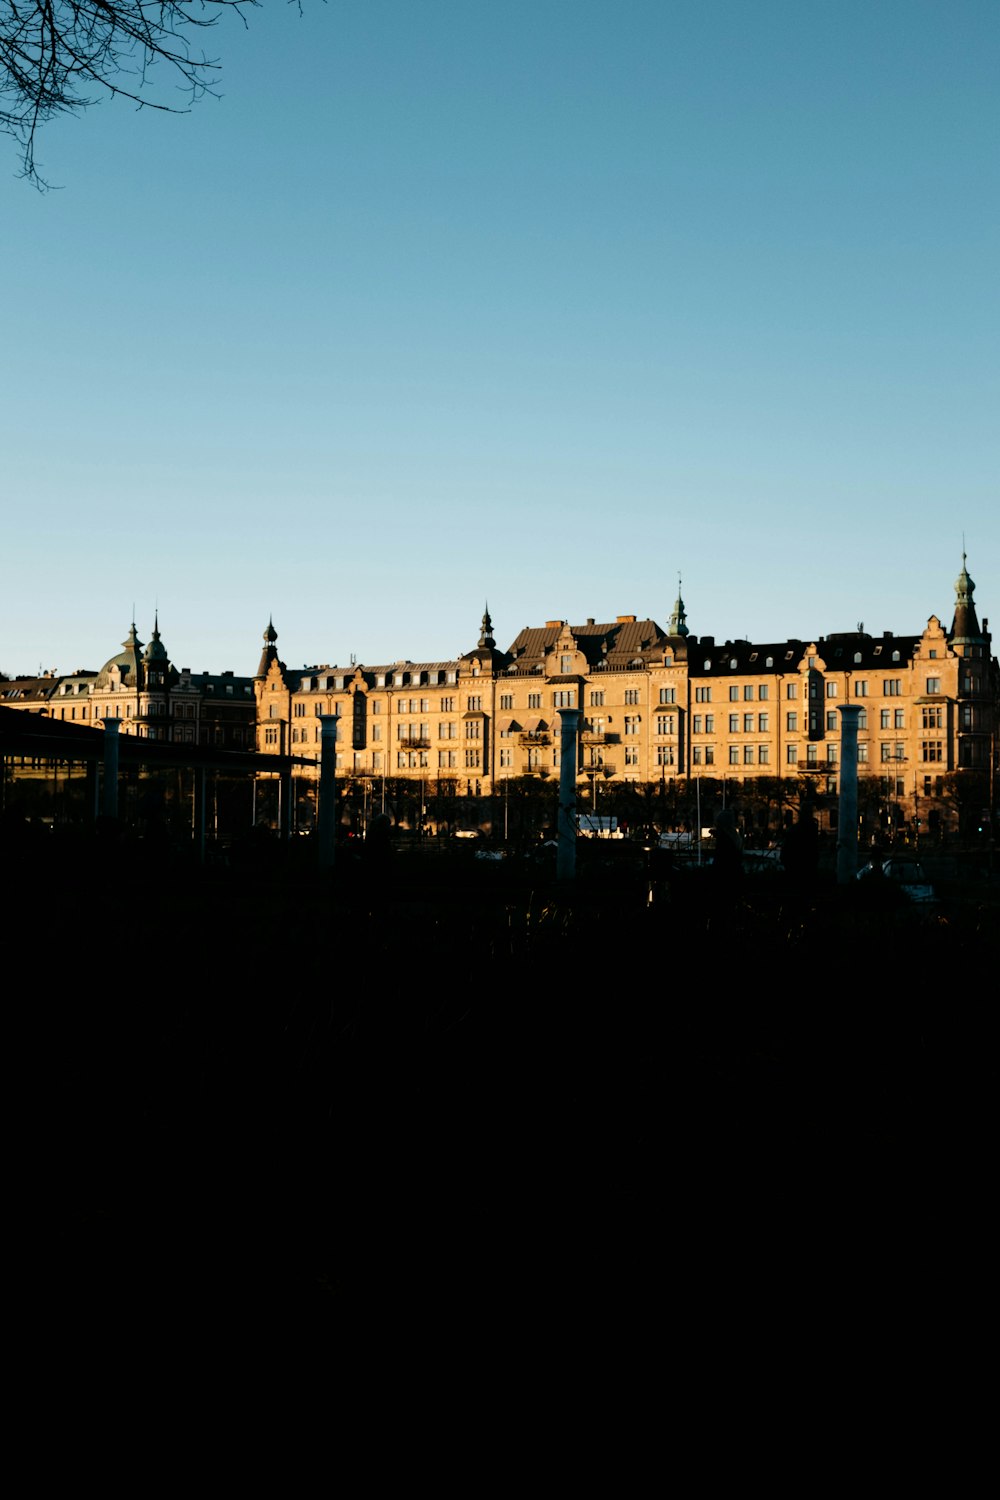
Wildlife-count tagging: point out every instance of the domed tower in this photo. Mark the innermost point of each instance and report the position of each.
(965, 631)
(678, 620)
(154, 706)
(270, 651)
(118, 686)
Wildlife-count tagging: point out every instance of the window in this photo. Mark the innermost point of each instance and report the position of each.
(631, 723)
(748, 723)
(763, 723)
(763, 755)
(734, 693)
(473, 729)
(831, 754)
(812, 755)
(885, 718)
(665, 724)
(899, 719)
(791, 754)
(474, 704)
(447, 759)
(831, 720)
(507, 701)
(447, 706)
(697, 755)
(506, 759)
(668, 695)
(710, 755)
(448, 731)
(471, 760)
(748, 692)
(931, 750)
(300, 710)
(703, 695)
(564, 699)
(534, 700)
(933, 684)
(709, 723)
(930, 718)
(792, 723)
(597, 700)
(891, 687)
(791, 690)
(813, 688)
(631, 695)
(664, 755)
(631, 755)
(565, 664)
(863, 719)
(734, 723)
(763, 692)
(748, 755)
(734, 755)
(831, 690)
(862, 755)
(376, 731)
(861, 690)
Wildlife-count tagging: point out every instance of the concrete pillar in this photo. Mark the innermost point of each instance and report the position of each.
(198, 793)
(847, 819)
(327, 819)
(566, 851)
(285, 804)
(109, 799)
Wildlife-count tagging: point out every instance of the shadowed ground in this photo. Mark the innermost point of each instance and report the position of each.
(249, 1096)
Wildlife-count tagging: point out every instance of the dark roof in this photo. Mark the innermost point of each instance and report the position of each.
(617, 643)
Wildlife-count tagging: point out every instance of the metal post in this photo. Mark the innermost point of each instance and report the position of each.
(327, 819)
(566, 849)
(109, 798)
(847, 815)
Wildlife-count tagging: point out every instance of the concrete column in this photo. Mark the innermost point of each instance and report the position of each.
(327, 820)
(109, 799)
(198, 811)
(285, 804)
(566, 852)
(847, 819)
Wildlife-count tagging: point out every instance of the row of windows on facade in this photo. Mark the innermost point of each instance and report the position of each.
(892, 687)
(931, 717)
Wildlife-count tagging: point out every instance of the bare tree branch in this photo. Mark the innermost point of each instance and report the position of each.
(61, 56)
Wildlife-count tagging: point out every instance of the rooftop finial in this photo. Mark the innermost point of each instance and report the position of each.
(678, 620)
(486, 640)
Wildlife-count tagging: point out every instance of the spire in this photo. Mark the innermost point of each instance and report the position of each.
(270, 651)
(965, 626)
(486, 641)
(678, 620)
(156, 651)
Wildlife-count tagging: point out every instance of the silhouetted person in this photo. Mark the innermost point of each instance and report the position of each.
(800, 849)
(377, 851)
(727, 860)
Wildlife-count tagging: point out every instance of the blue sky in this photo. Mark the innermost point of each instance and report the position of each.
(541, 302)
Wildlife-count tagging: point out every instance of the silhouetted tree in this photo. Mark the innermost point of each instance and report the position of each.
(59, 56)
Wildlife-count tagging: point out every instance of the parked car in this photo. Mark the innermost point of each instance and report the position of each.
(905, 872)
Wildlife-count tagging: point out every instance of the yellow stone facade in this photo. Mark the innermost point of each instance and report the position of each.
(655, 704)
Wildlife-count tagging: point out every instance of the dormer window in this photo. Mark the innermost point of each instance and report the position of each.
(733, 664)
(857, 658)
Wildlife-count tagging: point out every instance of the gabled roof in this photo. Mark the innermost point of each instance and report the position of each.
(617, 643)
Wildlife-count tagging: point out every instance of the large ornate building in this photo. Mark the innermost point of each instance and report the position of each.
(150, 697)
(655, 704)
